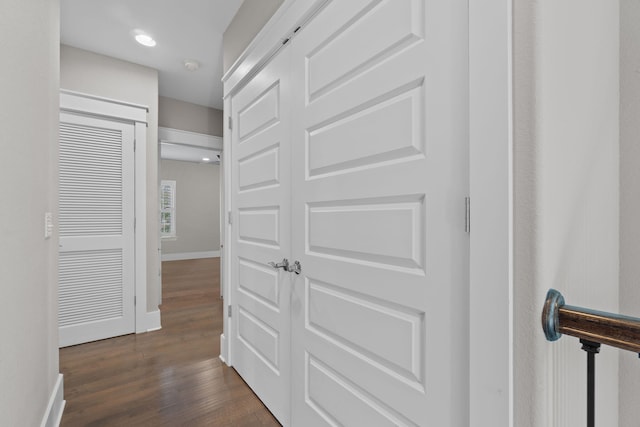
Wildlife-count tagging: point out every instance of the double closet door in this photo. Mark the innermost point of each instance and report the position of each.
(349, 155)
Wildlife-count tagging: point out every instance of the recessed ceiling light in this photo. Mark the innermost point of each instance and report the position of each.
(205, 159)
(145, 40)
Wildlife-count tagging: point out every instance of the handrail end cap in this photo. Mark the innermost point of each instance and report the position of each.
(550, 318)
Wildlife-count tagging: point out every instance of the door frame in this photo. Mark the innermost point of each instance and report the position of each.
(491, 390)
(491, 385)
(86, 104)
(189, 140)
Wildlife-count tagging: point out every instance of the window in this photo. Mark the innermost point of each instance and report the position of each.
(167, 209)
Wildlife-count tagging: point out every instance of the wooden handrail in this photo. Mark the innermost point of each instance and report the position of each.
(606, 328)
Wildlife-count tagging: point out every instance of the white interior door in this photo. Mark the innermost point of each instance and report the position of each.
(96, 264)
(380, 324)
(261, 204)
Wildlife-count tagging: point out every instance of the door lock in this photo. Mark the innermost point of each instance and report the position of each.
(295, 268)
(283, 265)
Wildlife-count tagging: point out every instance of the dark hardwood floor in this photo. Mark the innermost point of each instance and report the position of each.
(170, 377)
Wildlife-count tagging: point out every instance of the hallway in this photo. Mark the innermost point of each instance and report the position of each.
(170, 377)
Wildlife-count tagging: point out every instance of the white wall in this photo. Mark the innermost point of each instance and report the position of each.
(29, 37)
(176, 114)
(629, 200)
(567, 207)
(100, 75)
(529, 378)
(197, 206)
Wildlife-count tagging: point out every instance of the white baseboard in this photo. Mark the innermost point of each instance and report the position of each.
(153, 321)
(224, 350)
(190, 255)
(55, 408)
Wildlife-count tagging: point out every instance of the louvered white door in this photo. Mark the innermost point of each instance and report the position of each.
(96, 264)
(261, 153)
(380, 177)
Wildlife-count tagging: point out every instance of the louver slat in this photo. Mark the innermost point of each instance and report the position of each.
(90, 181)
(86, 296)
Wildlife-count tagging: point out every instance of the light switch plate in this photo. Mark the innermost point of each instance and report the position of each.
(48, 225)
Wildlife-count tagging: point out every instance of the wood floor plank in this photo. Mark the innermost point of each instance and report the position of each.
(170, 377)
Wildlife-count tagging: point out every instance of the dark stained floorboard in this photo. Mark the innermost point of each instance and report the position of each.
(170, 377)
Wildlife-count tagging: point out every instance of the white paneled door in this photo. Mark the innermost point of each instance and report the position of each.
(261, 200)
(351, 156)
(96, 265)
(380, 178)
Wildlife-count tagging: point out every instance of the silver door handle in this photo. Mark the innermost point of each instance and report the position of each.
(284, 264)
(295, 268)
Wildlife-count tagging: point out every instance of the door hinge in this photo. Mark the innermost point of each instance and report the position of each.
(229, 218)
(467, 215)
(134, 145)
(230, 123)
(229, 310)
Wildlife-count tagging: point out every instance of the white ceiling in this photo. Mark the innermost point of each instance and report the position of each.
(184, 29)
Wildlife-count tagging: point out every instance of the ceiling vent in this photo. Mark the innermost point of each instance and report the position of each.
(191, 64)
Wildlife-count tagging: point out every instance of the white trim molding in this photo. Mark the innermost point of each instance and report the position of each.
(55, 408)
(141, 227)
(183, 137)
(190, 255)
(280, 28)
(223, 349)
(84, 103)
(152, 321)
(491, 390)
(225, 239)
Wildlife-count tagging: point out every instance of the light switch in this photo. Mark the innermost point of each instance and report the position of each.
(48, 225)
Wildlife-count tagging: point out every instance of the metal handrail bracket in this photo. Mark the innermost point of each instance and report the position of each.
(593, 328)
(597, 326)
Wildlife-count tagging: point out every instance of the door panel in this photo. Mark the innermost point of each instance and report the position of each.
(372, 139)
(259, 170)
(261, 155)
(96, 265)
(344, 230)
(372, 31)
(349, 404)
(395, 344)
(260, 113)
(380, 174)
(259, 226)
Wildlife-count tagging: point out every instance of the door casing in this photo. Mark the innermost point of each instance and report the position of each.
(92, 105)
